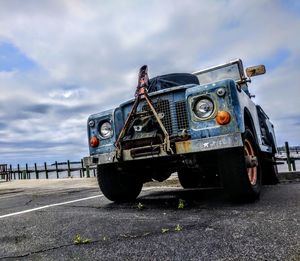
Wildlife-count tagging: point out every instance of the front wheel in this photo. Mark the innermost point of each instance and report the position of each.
(118, 185)
(240, 170)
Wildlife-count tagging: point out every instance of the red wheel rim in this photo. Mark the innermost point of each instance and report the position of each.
(252, 172)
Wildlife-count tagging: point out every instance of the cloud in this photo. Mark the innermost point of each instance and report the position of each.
(38, 108)
(83, 57)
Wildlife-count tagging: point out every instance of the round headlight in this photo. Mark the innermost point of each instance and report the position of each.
(204, 108)
(106, 130)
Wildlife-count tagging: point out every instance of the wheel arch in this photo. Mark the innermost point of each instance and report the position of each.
(269, 171)
(248, 122)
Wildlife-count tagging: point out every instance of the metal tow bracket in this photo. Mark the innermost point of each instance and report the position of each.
(142, 92)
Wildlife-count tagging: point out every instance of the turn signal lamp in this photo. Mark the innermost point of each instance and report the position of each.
(223, 117)
(94, 142)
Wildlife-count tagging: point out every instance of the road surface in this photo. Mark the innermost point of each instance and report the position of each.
(39, 220)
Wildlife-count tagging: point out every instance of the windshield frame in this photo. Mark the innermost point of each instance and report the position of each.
(211, 74)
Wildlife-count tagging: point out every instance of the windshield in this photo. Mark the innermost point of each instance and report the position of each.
(230, 71)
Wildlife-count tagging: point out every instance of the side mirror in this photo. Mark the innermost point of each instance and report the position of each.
(255, 70)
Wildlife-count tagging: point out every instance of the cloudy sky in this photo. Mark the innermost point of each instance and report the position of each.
(62, 60)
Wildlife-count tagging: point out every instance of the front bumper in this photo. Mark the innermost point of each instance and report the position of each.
(182, 147)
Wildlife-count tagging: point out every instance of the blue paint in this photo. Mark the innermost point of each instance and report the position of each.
(106, 145)
(209, 127)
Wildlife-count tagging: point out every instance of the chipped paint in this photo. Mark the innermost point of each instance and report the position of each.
(209, 144)
(184, 146)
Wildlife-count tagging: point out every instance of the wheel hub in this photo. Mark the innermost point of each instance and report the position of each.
(251, 162)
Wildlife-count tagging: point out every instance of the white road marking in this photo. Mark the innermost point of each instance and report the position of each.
(49, 206)
(68, 202)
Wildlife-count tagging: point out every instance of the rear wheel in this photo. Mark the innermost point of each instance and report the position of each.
(118, 185)
(269, 169)
(241, 171)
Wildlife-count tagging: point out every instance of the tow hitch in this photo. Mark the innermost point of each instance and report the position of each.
(142, 93)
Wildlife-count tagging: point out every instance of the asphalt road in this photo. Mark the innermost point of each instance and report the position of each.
(39, 221)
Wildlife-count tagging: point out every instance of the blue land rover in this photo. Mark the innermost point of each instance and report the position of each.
(202, 125)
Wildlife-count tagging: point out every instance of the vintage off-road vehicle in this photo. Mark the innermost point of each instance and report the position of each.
(203, 125)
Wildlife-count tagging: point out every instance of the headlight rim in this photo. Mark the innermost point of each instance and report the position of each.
(105, 137)
(197, 100)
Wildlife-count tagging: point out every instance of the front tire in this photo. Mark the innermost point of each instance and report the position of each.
(118, 185)
(240, 170)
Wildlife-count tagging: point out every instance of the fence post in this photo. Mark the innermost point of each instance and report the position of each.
(36, 171)
(293, 164)
(19, 175)
(82, 168)
(288, 159)
(24, 174)
(46, 171)
(11, 172)
(56, 168)
(69, 169)
(27, 172)
(87, 171)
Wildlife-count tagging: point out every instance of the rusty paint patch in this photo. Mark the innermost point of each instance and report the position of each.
(183, 146)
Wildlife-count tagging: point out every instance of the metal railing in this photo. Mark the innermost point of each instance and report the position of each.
(56, 170)
(285, 156)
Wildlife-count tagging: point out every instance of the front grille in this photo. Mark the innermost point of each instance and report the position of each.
(162, 106)
(175, 115)
(181, 114)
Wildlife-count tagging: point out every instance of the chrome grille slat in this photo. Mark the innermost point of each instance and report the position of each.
(162, 106)
(181, 112)
(175, 115)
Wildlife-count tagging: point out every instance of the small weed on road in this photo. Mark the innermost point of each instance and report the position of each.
(79, 240)
(181, 204)
(140, 206)
(164, 230)
(178, 228)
